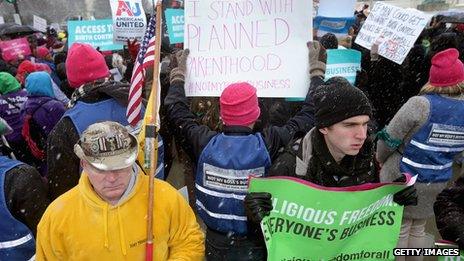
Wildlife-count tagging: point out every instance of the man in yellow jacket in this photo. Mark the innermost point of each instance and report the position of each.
(104, 217)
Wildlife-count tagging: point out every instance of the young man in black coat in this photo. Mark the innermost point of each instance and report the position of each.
(338, 152)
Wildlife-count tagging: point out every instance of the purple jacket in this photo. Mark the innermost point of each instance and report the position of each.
(46, 111)
(10, 109)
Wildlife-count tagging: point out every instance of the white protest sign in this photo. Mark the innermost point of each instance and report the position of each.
(395, 28)
(260, 42)
(2, 21)
(401, 32)
(39, 23)
(374, 24)
(17, 19)
(129, 20)
(336, 8)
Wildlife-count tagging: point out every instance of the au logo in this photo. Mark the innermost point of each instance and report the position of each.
(125, 7)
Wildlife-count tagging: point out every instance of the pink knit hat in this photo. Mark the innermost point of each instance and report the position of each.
(447, 69)
(84, 65)
(239, 104)
(42, 52)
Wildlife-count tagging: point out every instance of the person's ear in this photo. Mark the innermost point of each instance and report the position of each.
(324, 130)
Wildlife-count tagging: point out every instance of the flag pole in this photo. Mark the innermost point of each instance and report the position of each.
(151, 133)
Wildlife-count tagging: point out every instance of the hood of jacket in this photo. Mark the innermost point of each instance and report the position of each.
(8, 83)
(39, 84)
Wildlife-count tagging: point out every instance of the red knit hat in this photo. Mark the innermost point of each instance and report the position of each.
(447, 69)
(42, 52)
(239, 104)
(84, 64)
(24, 68)
(27, 67)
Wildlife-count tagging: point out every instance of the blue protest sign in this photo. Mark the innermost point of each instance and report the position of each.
(98, 33)
(344, 63)
(175, 24)
(336, 25)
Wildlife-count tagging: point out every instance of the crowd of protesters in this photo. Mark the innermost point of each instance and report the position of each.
(67, 145)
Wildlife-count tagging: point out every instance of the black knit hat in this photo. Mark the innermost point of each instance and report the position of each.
(338, 100)
(329, 41)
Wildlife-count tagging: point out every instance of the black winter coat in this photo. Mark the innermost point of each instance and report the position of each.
(449, 213)
(194, 137)
(26, 195)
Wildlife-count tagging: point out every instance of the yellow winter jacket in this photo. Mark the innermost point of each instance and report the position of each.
(79, 225)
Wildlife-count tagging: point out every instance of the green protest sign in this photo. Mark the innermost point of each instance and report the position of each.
(310, 222)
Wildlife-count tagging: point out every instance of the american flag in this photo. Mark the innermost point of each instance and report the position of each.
(145, 58)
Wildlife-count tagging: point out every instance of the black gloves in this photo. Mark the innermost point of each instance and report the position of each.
(258, 205)
(460, 241)
(407, 196)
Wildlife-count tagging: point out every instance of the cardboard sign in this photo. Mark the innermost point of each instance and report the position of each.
(175, 24)
(396, 29)
(98, 33)
(344, 63)
(40, 23)
(129, 20)
(260, 42)
(13, 48)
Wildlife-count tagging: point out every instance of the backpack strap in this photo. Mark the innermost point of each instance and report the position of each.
(26, 133)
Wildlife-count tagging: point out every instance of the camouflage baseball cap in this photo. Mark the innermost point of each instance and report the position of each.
(107, 146)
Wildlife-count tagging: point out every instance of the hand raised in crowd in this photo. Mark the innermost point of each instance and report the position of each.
(375, 52)
(258, 205)
(375, 49)
(133, 48)
(407, 196)
(317, 58)
(179, 65)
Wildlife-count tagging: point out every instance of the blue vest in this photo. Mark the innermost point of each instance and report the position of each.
(222, 179)
(431, 151)
(16, 240)
(84, 114)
